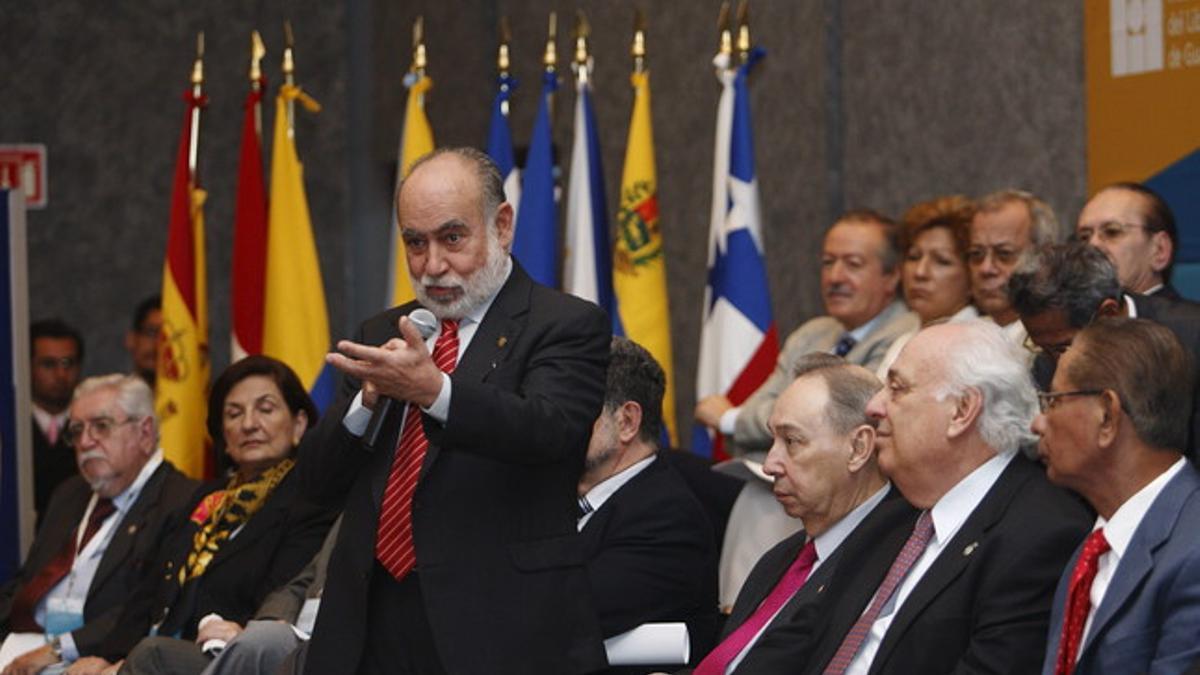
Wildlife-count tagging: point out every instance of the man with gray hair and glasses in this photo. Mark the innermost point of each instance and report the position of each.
(1060, 289)
(1007, 223)
(102, 528)
(968, 587)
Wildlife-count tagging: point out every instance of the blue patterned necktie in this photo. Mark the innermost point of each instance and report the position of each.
(844, 345)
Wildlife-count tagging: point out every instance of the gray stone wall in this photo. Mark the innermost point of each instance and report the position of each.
(859, 103)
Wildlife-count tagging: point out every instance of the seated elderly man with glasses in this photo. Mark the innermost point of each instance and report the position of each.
(1060, 289)
(1112, 429)
(101, 529)
(1135, 228)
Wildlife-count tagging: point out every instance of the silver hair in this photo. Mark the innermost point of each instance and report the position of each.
(1046, 228)
(982, 358)
(134, 396)
(491, 183)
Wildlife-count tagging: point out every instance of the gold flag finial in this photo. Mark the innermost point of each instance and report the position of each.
(743, 23)
(550, 58)
(638, 49)
(257, 51)
(198, 64)
(582, 31)
(289, 58)
(502, 59)
(418, 43)
(723, 28)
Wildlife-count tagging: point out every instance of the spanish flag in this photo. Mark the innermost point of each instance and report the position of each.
(183, 366)
(296, 323)
(416, 141)
(639, 266)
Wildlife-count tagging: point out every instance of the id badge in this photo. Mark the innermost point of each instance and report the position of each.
(308, 615)
(63, 615)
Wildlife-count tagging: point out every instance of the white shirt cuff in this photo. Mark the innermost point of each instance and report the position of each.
(729, 421)
(357, 417)
(66, 645)
(440, 409)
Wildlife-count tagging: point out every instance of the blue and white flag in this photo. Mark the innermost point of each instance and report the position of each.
(500, 145)
(738, 338)
(587, 269)
(535, 244)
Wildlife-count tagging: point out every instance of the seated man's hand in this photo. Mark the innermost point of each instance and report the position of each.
(710, 409)
(218, 630)
(93, 665)
(32, 662)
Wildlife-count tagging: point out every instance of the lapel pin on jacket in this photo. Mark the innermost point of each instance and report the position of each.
(501, 341)
(970, 548)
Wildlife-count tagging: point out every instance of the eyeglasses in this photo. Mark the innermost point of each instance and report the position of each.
(101, 428)
(51, 363)
(1055, 352)
(1108, 231)
(1047, 401)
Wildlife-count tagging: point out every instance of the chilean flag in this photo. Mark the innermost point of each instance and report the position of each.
(738, 338)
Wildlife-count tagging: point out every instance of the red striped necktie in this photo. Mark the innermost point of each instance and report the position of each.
(394, 536)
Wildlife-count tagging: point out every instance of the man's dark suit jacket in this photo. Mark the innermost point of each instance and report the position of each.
(788, 641)
(498, 556)
(651, 556)
(127, 562)
(1147, 621)
(275, 544)
(984, 604)
(1183, 318)
(53, 463)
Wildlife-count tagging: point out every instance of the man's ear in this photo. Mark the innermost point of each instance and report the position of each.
(1162, 251)
(504, 226)
(1112, 419)
(1111, 307)
(862, 447)
(629, 421)
(966, 411)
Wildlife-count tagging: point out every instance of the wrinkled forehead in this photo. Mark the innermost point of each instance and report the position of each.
(1007, 224)
(97, 403)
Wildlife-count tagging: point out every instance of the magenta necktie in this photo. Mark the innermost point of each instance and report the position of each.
(1079, 601)
(394, 536)
(913, 548)
(718, 659)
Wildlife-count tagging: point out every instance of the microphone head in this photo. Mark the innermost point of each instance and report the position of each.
(425, 321)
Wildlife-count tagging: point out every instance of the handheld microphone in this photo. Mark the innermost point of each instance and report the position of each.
(427, 324)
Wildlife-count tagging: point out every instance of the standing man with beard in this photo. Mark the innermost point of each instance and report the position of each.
(458, 551)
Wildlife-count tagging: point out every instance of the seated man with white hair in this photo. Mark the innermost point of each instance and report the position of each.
(968, 589)
(101, 529)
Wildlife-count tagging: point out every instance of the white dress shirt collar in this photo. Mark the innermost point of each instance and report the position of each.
(953, 509)
(606, 488)
(1119, 529)
(830, 540)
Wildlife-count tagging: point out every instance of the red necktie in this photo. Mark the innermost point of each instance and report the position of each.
(913, 548)
(718, 659)
(21, 616)
(394, 536)
(1079, 601)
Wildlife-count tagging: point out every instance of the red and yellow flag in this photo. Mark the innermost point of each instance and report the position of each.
(249, 236)
(183, 365)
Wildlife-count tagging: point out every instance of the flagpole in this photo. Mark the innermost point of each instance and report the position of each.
(583, 59)
(743, 23)
(550, 58)
(638, 49)
(197, 94)
(257, 51)
(726, 46)
(502, 62)
(289, 75)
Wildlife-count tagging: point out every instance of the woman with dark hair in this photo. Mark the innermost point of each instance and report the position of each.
(243, 536)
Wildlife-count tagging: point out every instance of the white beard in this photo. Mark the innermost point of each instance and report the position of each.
(482, 284)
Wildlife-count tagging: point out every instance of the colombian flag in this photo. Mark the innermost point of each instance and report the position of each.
(415, 141)
(295, 323)
(639, 266)
(183, 366)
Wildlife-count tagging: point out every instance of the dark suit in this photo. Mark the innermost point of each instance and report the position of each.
(498, 561)
(272, 546)
(789, 638)
(1148, 619)
(53, 463)
(984, 604)
(652, 557)
(128, 561)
